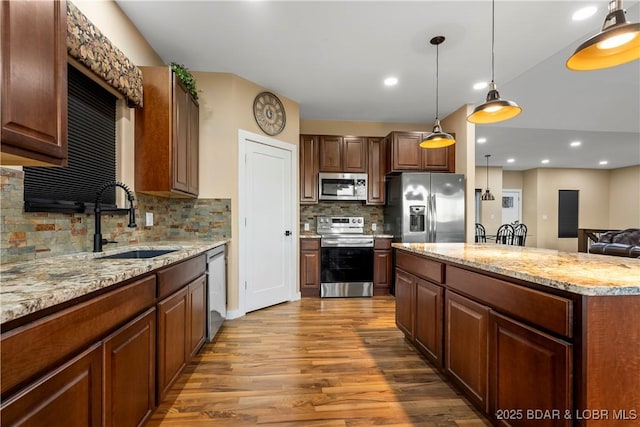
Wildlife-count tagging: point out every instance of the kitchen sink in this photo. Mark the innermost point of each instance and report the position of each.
(139, 254)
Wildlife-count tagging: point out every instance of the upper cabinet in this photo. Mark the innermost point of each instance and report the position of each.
(405, 154)
(34, 83)
(343, 154)
(376, 170)
(167, 132)
(308, 169)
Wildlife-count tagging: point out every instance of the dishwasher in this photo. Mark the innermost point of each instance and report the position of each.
(216, 290)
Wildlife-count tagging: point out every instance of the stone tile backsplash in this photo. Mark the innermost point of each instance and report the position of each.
(371, 214)
(26, 236)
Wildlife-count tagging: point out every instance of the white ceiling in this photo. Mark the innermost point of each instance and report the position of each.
(332, 56)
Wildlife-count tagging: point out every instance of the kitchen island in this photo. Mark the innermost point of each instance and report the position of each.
(88, 339)
(533, 337)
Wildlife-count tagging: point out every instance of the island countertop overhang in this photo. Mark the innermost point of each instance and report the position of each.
(579, 273)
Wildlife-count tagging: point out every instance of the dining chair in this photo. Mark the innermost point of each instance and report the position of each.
(504, 235)
(481, 234)
(519, 234)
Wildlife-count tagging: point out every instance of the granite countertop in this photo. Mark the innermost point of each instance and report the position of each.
(27, 287)
(580, 273)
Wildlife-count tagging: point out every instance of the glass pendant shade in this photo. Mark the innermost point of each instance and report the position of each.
(437, 138)
(495, 109)
(617, 44)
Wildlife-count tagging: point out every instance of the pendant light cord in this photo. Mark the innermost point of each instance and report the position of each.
(437, 77)
(493, 37)
(487, 156)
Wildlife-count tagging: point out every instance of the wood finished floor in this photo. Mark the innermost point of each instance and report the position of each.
(314, 362)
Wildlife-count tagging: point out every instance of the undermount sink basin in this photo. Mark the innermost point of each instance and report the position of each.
(139, 254)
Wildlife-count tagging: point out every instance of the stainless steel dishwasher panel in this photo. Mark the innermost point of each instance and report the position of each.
(216, 290)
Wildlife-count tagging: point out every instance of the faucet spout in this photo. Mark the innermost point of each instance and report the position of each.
(97, 236)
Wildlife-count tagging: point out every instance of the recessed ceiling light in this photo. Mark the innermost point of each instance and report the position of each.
(584, 13)
(576, 144)
(482, 140)
(480, 85)
(511, 160)
(544, 161)
(390, 81)
(603, 162)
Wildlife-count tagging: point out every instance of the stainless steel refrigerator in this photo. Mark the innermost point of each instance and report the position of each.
(425, 207)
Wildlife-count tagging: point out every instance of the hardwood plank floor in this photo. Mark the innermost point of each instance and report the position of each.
(314, 362)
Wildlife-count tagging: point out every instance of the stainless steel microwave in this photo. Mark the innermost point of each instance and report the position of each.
(342, 186)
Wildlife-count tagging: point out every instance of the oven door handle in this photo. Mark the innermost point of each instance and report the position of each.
(346, 243)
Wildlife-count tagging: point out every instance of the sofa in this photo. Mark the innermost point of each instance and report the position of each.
(618, 243)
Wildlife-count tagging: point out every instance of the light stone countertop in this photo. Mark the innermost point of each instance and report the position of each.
(580, 273)
(27, 287)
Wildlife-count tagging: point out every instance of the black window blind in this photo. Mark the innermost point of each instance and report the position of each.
(92, 154)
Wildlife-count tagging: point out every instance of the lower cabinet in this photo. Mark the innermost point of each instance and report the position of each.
(529, 371)
(405, 303)
(428, 318)
(129, 372)
(466, 345)
(69, 396)
(382, 266)
(198, 315)
(310, 267)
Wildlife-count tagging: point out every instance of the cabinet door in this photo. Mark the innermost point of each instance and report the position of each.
(466, 345)
(69, 396)
(428, 320)
(310, 267)
(193, 149)
(197, 314)
(405, 302)
(382, 272)
(376, 167)
(172, 339)
(180, 141)
(439, 159)
(354, 157)
(34, 83)
(405, 151)
(544, 385)
(129, 372)
(308, 169)
(330, 154)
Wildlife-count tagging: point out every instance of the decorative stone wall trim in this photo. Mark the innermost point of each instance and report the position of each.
(91, 48)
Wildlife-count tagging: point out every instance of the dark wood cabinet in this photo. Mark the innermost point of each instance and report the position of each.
(428, 320)
(405, 154)
(167, 135)
(382, 266)
(405, 303)
(197, 314)
(376, 170)
(34, 83)
(343, 154)
(173, 324)
(528, 370)
(71, 395)
(309, 152)
(129, 372)
(466, 345)
(310, 267)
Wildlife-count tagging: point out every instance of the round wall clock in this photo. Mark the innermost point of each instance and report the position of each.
(269, 113)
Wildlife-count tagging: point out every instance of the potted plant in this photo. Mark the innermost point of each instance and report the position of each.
(186, 77)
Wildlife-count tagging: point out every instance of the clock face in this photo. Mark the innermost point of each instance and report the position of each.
(269, 113)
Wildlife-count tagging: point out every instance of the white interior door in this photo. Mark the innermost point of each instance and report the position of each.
(269, 267)
(511, 206)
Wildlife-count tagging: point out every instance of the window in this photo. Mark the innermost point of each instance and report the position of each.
(92, 154)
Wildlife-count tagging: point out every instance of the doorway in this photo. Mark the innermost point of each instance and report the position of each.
(267, 215)
(511, 206)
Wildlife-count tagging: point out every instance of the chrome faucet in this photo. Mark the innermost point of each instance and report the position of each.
(98, 241)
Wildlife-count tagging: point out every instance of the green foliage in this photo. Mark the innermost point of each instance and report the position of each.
(186, 77)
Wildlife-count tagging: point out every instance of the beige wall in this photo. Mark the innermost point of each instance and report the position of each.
(624, 198)
(333, 127)
(530, 192)
(512, 180)
(226, 106)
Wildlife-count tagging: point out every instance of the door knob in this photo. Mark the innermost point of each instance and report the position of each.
(287, 233)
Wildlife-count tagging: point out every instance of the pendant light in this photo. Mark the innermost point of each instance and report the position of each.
(495, 109)
(437, 138)
(617, 43)
(487, 194)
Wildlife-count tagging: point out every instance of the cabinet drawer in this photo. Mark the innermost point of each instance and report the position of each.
(426, 268)
(381, 243)
(30, 350)
(548, 311)
(175, 277)
(309, 244)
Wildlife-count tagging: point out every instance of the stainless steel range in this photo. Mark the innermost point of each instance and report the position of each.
(346, 257)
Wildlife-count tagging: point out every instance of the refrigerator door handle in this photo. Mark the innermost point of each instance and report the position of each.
(434, 217)
(431, 218)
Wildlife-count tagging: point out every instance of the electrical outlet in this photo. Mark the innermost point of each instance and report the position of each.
(149, 219)
(306, 226)
(374, 226)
